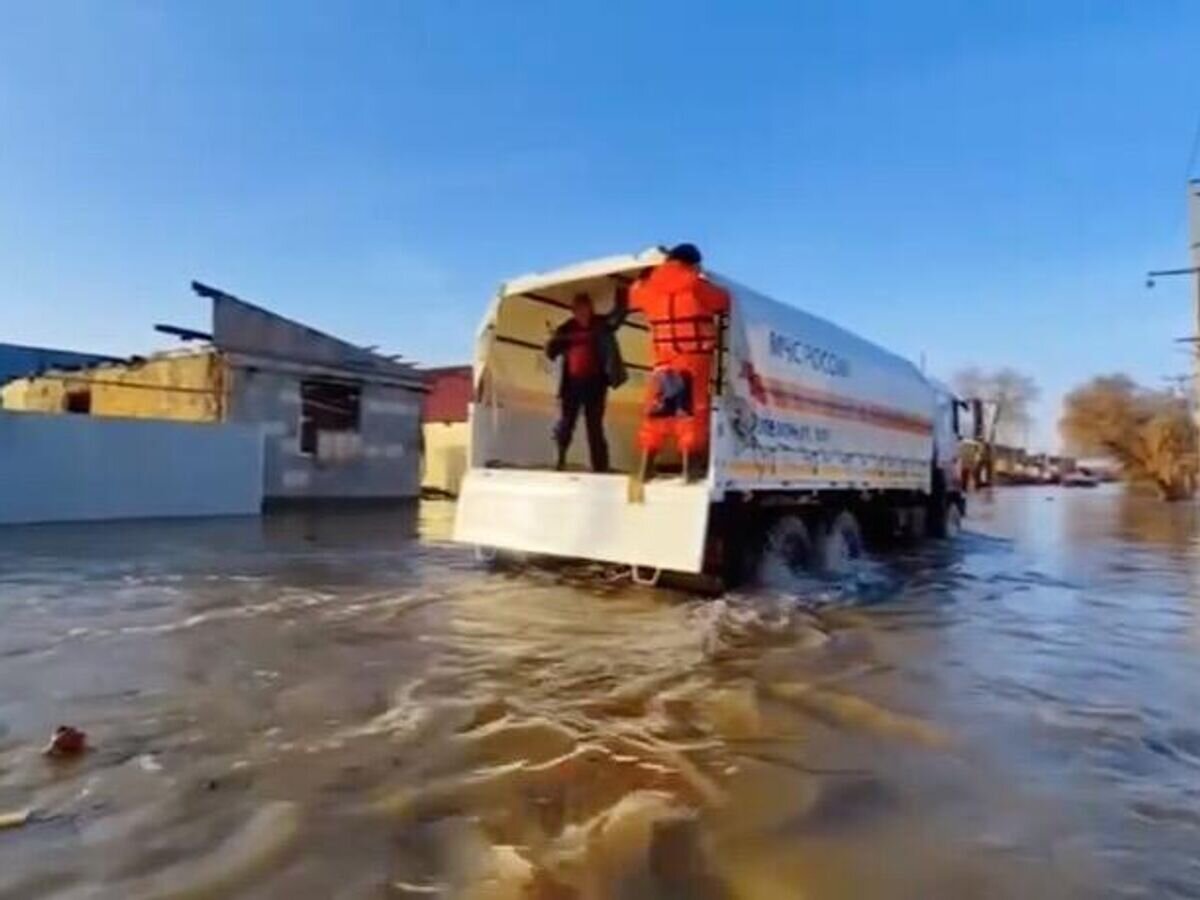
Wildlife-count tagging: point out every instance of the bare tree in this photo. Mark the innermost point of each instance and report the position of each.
(1007, 396)
(1150, 433)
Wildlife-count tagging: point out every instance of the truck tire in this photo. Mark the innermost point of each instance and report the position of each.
(787, 550)
(912, 524)
(840, 544)
(945, 521)
(944, 518)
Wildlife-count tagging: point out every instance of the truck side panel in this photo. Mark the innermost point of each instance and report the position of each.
(809, 405)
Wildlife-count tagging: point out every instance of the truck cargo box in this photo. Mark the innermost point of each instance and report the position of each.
(808, 404)
(799, 405)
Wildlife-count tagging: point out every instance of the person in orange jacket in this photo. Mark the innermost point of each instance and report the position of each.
(681, 307)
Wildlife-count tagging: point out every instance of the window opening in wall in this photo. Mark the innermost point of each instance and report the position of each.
(78, 400)
(327, 406)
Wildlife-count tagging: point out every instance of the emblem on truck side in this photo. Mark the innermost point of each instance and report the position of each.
(743, 420)
(758, 390)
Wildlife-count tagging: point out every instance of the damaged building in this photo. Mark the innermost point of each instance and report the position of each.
(339, 422)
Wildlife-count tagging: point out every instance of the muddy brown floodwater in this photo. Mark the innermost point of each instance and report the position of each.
(346, 706)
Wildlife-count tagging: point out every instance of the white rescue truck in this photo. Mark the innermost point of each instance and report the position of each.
(821, 441)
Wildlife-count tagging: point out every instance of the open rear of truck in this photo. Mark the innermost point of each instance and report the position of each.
(511, 497)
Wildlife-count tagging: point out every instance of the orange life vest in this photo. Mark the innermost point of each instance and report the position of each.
(679, 306)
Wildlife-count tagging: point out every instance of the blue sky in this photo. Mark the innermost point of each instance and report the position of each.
(981, 182)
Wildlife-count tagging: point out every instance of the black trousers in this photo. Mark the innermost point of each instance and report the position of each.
(589, 396)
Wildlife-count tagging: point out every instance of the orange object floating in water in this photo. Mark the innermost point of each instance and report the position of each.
(66, 742)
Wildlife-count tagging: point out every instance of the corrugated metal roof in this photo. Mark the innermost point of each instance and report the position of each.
(19, 360)
(239, 326)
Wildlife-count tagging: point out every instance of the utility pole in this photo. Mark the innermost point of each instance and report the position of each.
(1193, 339)
(1193, 190)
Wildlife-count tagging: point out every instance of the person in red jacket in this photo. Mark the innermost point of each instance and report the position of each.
(681, 307)
(591, 364)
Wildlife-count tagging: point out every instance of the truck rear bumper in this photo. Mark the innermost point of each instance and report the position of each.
(585, 516)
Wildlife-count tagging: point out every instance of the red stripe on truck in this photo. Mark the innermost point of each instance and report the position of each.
(795, 398)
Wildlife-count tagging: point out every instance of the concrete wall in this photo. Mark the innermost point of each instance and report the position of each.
(69, 468)
(380, 461)
(185, 387)
(34, 394)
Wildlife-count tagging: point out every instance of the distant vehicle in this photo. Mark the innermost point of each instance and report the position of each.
(1080, 479)
(819, 439)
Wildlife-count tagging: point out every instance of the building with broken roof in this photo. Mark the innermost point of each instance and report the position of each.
(340, 422)
(18, 360)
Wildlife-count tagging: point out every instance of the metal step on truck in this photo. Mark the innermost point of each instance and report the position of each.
(820, 442)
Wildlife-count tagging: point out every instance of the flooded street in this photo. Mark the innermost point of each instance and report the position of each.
(348, 706)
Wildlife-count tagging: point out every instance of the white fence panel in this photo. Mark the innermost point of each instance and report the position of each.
(59, 468)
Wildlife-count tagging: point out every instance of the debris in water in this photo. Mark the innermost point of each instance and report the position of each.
(15, 819)
(148, 763)
(66, 742)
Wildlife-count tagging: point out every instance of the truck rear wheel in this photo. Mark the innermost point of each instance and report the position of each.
(946, 520)
(787, 549)
(945, 508)
(839, 544)
(914, 524)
